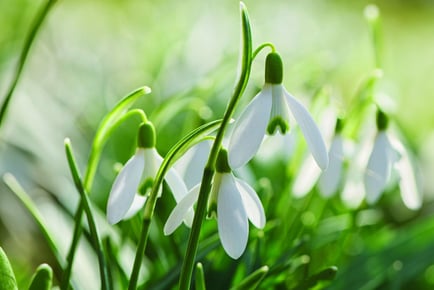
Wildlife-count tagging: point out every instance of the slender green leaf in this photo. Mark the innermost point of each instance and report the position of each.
(42, 279)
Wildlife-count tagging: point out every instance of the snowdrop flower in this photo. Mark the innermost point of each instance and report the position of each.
(232, 201)
(390, 156)
(269, 112)
(379, 168)
(137, 176)
(309, 172)
(408, 181)
(331, 178)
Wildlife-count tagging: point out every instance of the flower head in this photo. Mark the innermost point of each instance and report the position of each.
(232, 201)
(269, 112)
(137, 177)
(390, 156)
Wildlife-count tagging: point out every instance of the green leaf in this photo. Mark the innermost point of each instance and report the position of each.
(7, 277)
(253, 280)
(42, 279)
(18, 190)
(110, 121)
(200, 277)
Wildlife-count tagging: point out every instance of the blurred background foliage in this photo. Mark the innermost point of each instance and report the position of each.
(89, 54)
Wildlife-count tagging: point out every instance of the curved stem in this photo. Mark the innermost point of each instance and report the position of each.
(23, 57)
(112, 120)
(105, 282)
(96, 150)
(261, 47)
(170, 158)
(190, 256)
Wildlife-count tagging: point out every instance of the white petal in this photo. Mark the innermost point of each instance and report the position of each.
(408, 185)
(153, 162)
(176, 184)
(353, 192)
(310, 131)
(252, 203)
(190, 166)
(232, 221)
(330, 179)
(379, 167)
(306, 178)
(138, 203)
(125, 187)
(249, 129)
(181, 210)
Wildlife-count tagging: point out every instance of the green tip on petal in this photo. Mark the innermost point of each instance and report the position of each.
(146, 136)
(146, 186)
(222, 164)
(382, 120)
(277, 123)
(273, 69)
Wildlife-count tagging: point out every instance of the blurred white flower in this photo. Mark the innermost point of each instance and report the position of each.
(379, 169)
(233, 201)
(269, 111)
(331, 178)
(308, 174)
(389, 156)
(140, 170)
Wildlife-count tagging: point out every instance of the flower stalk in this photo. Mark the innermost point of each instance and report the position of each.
(209, 170)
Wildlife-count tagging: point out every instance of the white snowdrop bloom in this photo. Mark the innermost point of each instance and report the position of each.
(269, 112)
(353, 191)
(232, 201)
(191, 164)
(379, 169)
(331, 178)
(389, 158)
(309, 173)
(408, 181)
(140, 171)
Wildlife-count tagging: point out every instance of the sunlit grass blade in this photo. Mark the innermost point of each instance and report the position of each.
(19, 192)
(105, 128)
(23, 56)
(42, 279)
(253, 280)
(107, 125)
(7, 276)
(200, 277)
(105, 282)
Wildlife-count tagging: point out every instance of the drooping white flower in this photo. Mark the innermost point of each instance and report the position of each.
(268, 112)
(233, 201)
(140, 170)
(379, 169)
(309, 173)
(331, 178)
(389, 156)
(408, 181)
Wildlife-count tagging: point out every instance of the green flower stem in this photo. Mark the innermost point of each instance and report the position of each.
(177, 150)
(105, 282)
(113, 119)
(98, 144)
(190, 256)
(373, 17)
(23, 57)
(261, 47)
